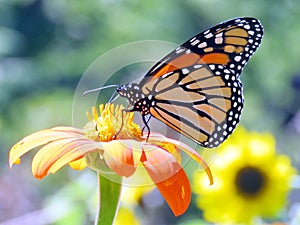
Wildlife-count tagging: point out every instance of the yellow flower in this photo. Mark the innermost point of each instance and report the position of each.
(132, 195)
(125, 217)
(113, 141)
(250, 180)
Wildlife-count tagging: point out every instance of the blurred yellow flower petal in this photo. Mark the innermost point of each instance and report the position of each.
(125, 216)
(250, 180)
(132, 195)
(79, 164)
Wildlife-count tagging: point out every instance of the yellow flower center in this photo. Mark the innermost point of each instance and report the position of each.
(113, 123)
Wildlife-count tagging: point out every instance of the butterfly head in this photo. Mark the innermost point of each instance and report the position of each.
(130, 91)
(135, 97)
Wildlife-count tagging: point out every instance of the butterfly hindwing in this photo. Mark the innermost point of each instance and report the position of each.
(197, 103)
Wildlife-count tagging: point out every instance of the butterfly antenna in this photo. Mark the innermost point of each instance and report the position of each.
(98, 89)
(112, 98)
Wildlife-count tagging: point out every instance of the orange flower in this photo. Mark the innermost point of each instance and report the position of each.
(97, 147)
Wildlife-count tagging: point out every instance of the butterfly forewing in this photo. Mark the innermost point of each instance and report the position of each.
(230, 43)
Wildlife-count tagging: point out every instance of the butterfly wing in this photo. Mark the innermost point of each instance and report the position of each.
(230, 44)
(202, 106)
(196, 88)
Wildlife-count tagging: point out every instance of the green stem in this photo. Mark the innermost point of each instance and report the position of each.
(109, 195)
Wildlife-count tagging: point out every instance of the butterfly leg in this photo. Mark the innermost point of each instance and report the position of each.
(122, 123)
(146, 126)
(146, 123)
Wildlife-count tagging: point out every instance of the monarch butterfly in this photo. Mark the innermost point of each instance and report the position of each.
(196, 89)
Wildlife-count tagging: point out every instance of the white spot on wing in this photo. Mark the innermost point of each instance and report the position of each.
(208, 35)
(212, 67)
(193, 39)
(237, 58)
(195, 42)
(206, 32)
(202, 45)
(185, 71)
(219, 40)
(197, 66)
(247, 26)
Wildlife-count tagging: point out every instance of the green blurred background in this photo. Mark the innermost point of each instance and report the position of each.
(46, 46)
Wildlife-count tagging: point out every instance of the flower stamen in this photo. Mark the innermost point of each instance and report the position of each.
(109, 125)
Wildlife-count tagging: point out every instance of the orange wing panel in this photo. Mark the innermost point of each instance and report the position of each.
(179, 62)
(215, 58)
(190, 59)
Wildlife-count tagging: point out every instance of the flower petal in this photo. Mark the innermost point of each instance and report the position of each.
(156, 137)
(79, 164)
(41, 138)
(170, 179)
(122, 156)
(58, 153)
(73, 154)
(177, 192)
(160, 162)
